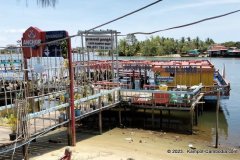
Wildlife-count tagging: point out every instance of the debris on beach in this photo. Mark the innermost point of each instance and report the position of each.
(191, 146)
(129, 139)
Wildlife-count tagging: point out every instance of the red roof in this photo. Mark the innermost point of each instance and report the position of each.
(217, 47)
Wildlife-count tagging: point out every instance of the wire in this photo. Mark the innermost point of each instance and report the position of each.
(185, 25)
(128, 14)
(111, 21)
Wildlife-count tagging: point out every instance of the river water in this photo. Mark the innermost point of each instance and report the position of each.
(229, 116)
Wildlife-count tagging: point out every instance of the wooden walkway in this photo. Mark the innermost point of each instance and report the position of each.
(42, 124)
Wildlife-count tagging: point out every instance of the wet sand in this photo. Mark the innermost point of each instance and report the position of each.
(138, 144)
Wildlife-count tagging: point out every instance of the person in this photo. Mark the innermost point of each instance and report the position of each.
(67, 154)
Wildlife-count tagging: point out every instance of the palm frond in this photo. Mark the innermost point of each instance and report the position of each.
(47, 3)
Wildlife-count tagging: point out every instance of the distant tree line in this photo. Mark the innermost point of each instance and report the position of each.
(231, 44)
(157, 46)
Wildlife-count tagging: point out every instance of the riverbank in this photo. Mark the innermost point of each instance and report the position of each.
(170, 55)
(126, 144)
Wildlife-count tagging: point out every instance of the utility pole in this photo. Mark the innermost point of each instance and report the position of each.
(217, 111)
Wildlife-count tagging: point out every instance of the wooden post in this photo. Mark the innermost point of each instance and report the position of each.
(25, 152)
(68, 126)
(109, 119)
(217, 111)
(71, 94)
(132, 116)
(120, 117)
(144, 118)
(125, 116)
(100, 115)
(152, 117)
(153, 105)
(196, 115)
(191, 120)
(160, 119)
(169, 118)
(25, 147)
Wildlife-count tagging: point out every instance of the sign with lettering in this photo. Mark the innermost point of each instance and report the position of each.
(99, 42)
(54, 49)
(32, 37)
(182, 70)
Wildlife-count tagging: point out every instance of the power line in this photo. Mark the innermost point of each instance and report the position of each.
(188, 24)
(128, 14)
(111, 21)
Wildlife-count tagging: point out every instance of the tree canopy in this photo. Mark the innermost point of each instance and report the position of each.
(156, 45)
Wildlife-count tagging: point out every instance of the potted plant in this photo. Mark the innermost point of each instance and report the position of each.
(110, 99)
(13, 124)
(77, 110)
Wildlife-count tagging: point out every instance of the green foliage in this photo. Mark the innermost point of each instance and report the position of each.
(110, 98)
(12, 121)
(157, 46)
(231, 44)
(129, 46)
(64, 48)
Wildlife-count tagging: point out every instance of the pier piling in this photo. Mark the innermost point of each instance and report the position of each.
(160, 119)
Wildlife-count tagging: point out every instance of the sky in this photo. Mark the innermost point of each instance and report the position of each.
(73, 15)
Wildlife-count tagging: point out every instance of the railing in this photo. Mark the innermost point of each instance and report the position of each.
(55, 113)
(158, 97)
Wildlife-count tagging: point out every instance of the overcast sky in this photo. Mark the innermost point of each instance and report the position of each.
(74, 15)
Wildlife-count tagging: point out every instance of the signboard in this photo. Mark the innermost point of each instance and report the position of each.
(99, 42)
(54, 49)
(31, 37)
(182, 70)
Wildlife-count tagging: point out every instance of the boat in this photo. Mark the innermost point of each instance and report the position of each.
(233, 52)
(191, 53)
(174, 73)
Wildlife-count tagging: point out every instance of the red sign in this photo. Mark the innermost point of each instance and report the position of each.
(31, 38)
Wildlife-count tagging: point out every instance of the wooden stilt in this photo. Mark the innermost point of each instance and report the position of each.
(132, 116)
(120, 117)
(169, 112)
(196, 115)
(152, 117)
(144, 118)
(125, 116)
(109, 120)
(191, 120)
(68, 127)
(217, 111)
(160, 119)
(25, 152)
(100, 115)
(100, 122)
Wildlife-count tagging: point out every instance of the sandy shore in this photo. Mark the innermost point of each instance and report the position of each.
(137, 144)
